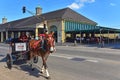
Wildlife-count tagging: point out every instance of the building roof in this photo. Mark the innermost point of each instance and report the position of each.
(66, 13)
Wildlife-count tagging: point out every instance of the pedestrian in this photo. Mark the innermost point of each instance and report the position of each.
(102, 41)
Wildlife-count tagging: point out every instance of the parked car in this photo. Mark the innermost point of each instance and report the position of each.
(8, 40)
(13, 40)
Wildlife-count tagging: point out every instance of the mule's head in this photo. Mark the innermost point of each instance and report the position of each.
(50, 43)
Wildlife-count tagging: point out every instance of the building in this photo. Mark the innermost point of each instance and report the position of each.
(62, 22)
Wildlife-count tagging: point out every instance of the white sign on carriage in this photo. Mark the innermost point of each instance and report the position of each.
(20, 46)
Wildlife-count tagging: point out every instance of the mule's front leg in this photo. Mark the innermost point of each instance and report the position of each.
(47, 73)
(42, 69)
(45, 67)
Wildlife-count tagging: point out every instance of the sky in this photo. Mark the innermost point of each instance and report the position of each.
(105, 12)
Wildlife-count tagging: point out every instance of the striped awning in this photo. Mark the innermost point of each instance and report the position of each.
(75, 26)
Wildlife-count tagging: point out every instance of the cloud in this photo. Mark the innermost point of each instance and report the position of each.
(112, 4)
(75, 5)
(79, 4)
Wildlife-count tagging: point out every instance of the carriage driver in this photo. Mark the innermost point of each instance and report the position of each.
(23, 37)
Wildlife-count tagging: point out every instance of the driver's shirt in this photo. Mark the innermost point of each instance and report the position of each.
(23, 38)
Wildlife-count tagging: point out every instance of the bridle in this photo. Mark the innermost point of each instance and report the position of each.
(50, 43)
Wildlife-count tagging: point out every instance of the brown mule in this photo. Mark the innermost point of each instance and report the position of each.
(37, 51)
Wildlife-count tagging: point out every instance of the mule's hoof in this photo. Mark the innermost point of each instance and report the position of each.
(35, 60)
(41, 72)
(49, 78)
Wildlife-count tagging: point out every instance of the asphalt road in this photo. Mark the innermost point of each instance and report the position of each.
(68, 63)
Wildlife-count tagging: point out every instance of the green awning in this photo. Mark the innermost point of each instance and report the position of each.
(87, 28)
(75, 26)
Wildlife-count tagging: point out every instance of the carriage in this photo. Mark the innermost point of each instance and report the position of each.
(18, 50)
(31, 50)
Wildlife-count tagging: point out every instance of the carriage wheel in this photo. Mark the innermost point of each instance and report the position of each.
(35, 59)
(9, 61)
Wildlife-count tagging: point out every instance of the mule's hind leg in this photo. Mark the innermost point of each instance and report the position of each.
(31, 61)
(32, 64)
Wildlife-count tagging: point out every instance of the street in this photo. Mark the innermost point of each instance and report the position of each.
(68, 63)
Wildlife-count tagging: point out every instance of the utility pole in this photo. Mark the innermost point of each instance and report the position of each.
(24, 10)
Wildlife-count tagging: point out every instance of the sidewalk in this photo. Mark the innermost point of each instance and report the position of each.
(106, 46)
(108, 49)
(4, 44)
(114, 47)
(109, 46)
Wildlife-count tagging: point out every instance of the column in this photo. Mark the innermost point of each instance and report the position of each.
(73, 35)
(12, 35)
(45, 22)
(100, 35)
(36, 33)
(80, 38)
(92, 34)
(1, 36)
(18, 34)
(108, 36)
(63, 32)
(114, 37)
(6, 35)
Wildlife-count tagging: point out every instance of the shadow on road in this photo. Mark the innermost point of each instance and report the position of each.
(3, 59)
(78, 59)
(22, 65)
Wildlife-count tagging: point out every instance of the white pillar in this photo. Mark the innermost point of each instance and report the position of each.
(36, 33)
(6, 35)
(12, 35)
(1, 36)
(27, 33)
(18, 34)
(59, 37)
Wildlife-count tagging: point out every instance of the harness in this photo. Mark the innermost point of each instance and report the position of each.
(39, 41)
(43, 43)
(35, 44)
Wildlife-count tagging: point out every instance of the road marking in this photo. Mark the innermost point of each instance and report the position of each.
(63, 56)
(95, 61)
(88, 59)
(73, 57)
(3, 47)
